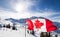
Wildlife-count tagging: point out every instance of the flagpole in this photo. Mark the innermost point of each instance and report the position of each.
(25, 30)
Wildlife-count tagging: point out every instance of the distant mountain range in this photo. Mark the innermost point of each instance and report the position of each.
(15, 20)
(12, 20)
(22, 20)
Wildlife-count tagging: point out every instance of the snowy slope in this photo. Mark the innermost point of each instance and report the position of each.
(14, 33)
(6, 32)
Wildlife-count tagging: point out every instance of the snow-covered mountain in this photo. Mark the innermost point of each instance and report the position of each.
(12, 20)
(22, 20)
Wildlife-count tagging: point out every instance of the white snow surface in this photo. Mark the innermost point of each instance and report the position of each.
(5, 32)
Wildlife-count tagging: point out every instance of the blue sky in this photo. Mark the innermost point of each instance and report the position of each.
(26, 8)
(49, 4)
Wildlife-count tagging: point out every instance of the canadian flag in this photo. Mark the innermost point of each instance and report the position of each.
(43, 25)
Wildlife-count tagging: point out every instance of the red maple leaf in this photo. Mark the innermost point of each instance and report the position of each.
(38, 24)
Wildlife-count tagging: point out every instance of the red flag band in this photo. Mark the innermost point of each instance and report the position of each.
(30, 24)
(50, 26)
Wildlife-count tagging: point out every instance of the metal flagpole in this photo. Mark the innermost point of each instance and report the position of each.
(25, 30)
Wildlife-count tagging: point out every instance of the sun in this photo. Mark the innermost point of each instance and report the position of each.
(22, 6)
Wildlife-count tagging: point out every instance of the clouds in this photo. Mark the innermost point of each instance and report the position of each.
(19, 10)
(46, 8)
(27, 8)
(9, 14)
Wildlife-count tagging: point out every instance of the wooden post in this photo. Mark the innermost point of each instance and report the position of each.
(56, 35)
(41, 35)
(48, 34)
